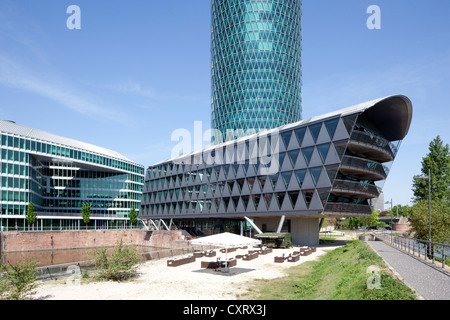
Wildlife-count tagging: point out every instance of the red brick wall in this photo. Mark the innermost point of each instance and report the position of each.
(54, 240)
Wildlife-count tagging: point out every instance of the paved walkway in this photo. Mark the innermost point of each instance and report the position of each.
(427, 280)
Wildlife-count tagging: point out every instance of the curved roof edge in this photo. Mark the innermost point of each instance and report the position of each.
(392, 115)
(11, 127)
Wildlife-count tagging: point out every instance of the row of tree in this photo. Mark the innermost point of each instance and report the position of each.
(85, 214)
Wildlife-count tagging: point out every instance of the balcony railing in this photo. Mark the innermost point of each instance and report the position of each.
(362, 168)
(355, 188)
(375, 142)
(347, 209)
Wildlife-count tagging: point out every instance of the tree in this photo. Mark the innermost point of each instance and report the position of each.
(31, 214)
(133, 216)
(18, 282)
(86, 213)
(372, 221)
(438, 162)
(440, 220)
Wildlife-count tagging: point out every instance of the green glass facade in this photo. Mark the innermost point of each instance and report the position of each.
(59, 178)
(256, 65)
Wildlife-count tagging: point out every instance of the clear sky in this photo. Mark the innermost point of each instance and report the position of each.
(138, 70)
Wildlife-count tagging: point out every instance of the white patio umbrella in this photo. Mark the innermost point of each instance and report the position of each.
(226, 240)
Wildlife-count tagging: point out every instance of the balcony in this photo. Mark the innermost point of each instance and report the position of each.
(354, 189)
(347, 209)
(363, 169)
(371, 147)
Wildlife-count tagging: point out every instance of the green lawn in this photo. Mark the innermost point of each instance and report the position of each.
(341, 274)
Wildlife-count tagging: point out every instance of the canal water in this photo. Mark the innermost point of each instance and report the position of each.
(81, 256)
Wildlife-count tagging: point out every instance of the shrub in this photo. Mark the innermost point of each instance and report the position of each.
(121, 264)
(18, 282)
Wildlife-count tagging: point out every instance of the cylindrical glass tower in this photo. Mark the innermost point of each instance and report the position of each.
(256, 65)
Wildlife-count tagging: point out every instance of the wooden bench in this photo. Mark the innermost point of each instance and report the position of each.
(250, 256)
(180, 261)
(218, 264)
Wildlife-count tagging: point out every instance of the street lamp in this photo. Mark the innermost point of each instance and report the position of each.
(429, 205)
(392, 223)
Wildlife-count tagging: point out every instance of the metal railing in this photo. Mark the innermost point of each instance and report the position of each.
(355, 187)
(347, 208)
(365, 165)
(423, 249)
(374, 142)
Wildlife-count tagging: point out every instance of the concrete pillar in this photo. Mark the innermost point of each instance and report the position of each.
(304, 231)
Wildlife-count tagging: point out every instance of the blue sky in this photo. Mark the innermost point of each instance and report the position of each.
(138, 70)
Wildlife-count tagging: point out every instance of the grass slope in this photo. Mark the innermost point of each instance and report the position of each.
(339, 275)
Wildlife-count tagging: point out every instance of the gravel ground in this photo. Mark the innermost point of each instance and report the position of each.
(427, 280)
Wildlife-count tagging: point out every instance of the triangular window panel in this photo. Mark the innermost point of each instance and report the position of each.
(280, 197)
(307, 195)
(315, 174)
(230, 185)
(217, 203)
(286, 137)
(217, 171)
(293, 196)
(300, 174)
(315, 130)
(323, 195)
(226, 167)
(300, 134)
(245, 201)
(235, 168)
(331, 126)
(293, 156)
(332, 172)
(281, 157)
(273, 179)
(340, 147)
(349, 123)
(307, 153)
(268, 199)
(235, 202)
(250, 182)
(323, 150)
(262, 181)
(226, 202)
(240, 183)
(286, 177)
(256, 198)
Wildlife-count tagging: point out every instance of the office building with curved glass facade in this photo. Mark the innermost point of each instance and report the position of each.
(58, 175)
(327, 166)
(256, 66)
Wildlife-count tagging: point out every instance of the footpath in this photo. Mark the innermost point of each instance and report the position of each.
(427, 280)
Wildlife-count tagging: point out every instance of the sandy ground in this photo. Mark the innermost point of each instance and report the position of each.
(157, 281)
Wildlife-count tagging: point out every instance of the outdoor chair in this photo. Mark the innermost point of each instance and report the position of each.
(293, 258)
(279, 259)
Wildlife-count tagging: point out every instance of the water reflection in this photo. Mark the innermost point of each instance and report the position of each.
(58, 257)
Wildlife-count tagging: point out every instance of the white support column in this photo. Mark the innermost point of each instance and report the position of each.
(253, 225)
(280, 226)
